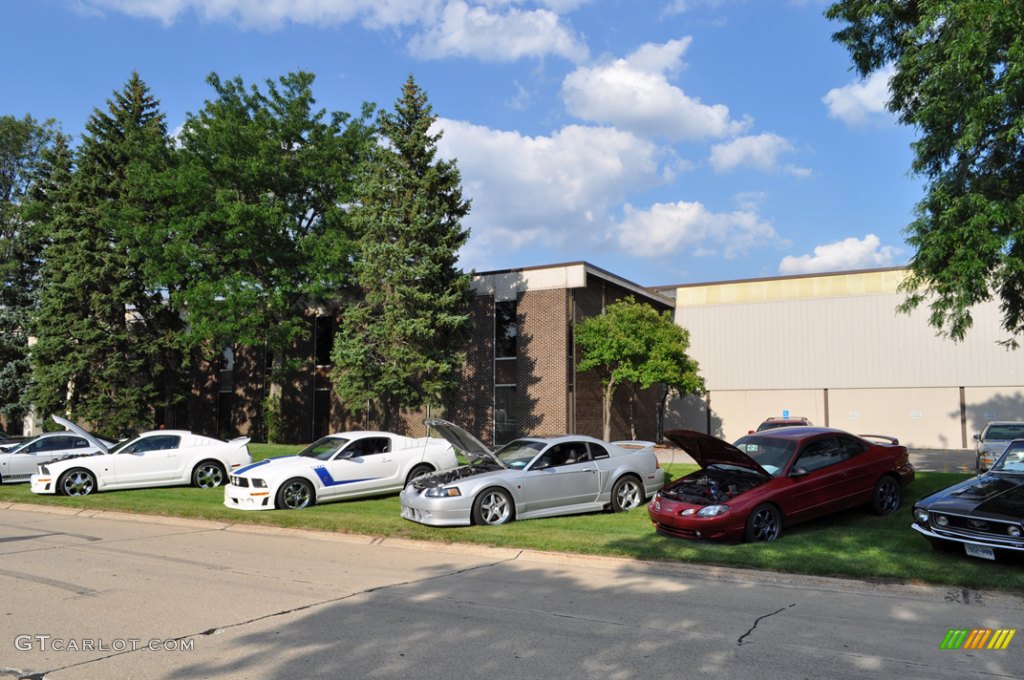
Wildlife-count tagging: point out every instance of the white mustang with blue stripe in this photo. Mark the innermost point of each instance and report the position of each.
(338, 466)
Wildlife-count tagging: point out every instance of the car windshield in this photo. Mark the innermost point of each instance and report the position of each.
(771, 453)
(1004, 432)
(323, 449)
(121, 444)
(1012, 460)
(18, 446)
(518, 454)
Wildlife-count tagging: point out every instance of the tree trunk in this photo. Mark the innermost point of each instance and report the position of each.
(661, 415)
(606, 410)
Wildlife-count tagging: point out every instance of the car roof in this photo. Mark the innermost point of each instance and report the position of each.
(797, 432)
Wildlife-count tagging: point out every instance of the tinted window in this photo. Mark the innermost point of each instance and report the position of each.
(160, 442)
(366, 447)
(597, 451)
(851, 447)
(820, 453)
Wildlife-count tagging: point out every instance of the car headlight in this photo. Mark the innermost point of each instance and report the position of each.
(442, 492)
(942, 520)
(259, 483)
(713, 511)
(921, 516)
(1013, 531)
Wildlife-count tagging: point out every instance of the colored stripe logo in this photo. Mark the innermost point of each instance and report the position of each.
(978, 638)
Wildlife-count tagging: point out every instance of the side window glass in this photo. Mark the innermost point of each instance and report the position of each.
(79, 443)
(820, 454)
(851, 447)
(597, 451)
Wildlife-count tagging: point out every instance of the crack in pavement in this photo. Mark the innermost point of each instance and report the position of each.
(759, 619)
(19, 675)
(213, 631)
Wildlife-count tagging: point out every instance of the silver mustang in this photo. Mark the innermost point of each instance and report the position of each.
(530, 477)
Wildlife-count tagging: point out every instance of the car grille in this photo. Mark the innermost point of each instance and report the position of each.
(674, 531)
(992, 531)
(239, 481)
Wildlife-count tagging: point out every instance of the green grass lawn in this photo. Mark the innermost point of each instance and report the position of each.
(849, 544)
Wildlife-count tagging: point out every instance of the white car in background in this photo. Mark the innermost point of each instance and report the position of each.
(156, 458)
(994, 439)
(22, 458)
(336, 467)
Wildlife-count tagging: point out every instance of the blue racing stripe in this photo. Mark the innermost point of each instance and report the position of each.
(328, 480)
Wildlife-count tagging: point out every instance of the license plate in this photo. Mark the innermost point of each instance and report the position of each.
(979, 551)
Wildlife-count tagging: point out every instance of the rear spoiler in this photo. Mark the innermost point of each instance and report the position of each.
(239, 442)
(885, 438)
(635, 444)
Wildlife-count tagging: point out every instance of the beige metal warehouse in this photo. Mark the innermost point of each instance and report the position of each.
(833, 348)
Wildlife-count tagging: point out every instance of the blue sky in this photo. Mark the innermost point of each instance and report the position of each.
(667, 141)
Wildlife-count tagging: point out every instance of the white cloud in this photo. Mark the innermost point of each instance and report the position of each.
(635, 94)
(861, 101)
(274, 14)
(670, 228)
(465, 31)
(844, 255)
(553, 190)
(757, 151)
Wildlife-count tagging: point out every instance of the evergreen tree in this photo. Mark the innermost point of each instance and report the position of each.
(104, 331)
(400, 347)
(33, 158)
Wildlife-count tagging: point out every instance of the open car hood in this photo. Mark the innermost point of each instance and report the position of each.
(72, 427)
(708, 450)
(463, 441)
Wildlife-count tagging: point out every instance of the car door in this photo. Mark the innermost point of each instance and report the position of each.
(564, 474)
(819, 481)
(151, 459)
(363, 465)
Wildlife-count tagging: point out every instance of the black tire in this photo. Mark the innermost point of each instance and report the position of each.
(764, 524)
(492, 507)
(887, 496)
(627, 493)
(209, 474)
(295, 494)
(418, 471)
(76, 482)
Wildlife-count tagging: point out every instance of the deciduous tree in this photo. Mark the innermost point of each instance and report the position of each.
(959, 80)
(632, 344)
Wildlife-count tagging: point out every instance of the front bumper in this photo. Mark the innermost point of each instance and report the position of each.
(668, 522)
(437, 512)
(43, 483)
(1016, 545)
(239, 498)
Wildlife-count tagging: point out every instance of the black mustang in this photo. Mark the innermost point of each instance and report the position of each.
(985, 513)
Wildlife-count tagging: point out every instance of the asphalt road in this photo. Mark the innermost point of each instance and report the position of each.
(207, 600)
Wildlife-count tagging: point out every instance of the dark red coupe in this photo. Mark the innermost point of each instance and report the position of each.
(775, 478)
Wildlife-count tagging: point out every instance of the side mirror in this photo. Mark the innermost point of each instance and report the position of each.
(798, 472)
(977, 437)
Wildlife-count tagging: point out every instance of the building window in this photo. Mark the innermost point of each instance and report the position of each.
(321, 412)
(323, 340)
(504, 414)
(505, 329)
(225, 393)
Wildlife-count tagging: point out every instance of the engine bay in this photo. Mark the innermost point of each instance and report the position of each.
(711, 488)
(448, 476)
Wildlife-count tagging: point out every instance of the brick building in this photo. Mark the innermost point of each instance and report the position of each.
(520, 374)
